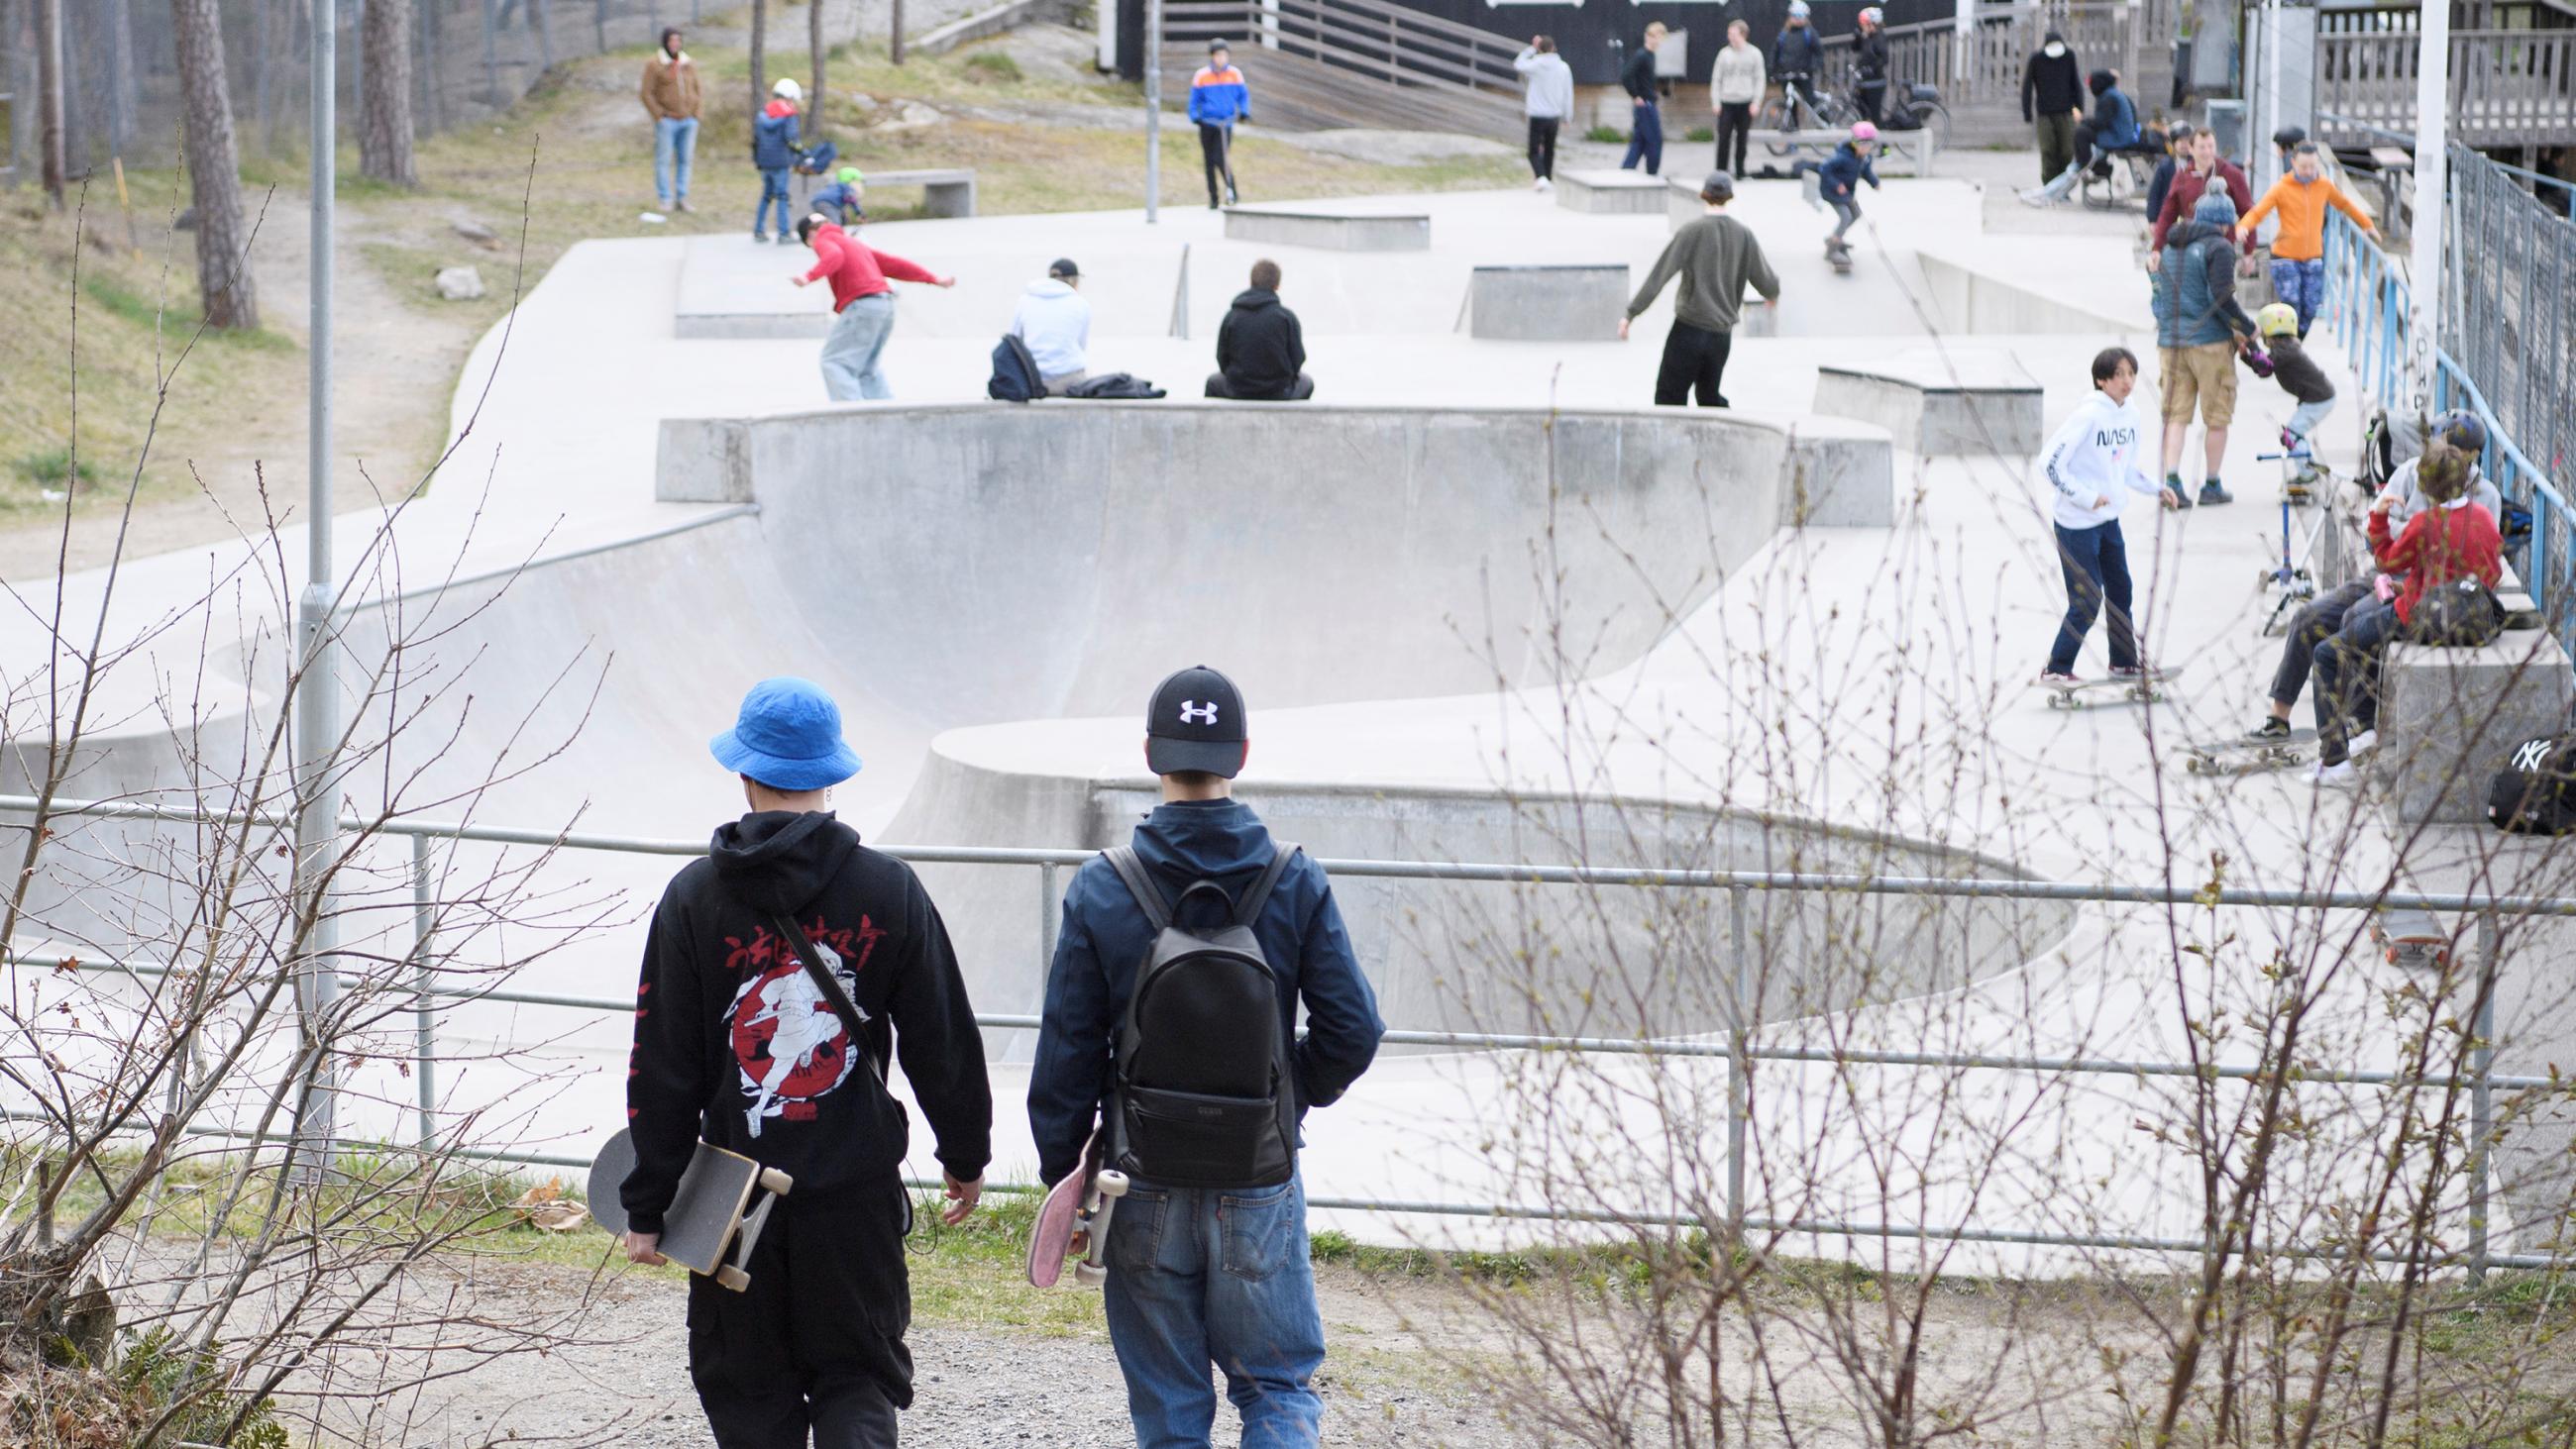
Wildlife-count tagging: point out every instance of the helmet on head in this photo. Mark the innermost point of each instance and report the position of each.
(1873, 15)
(2278, 319)
(1864, 131)
(1797, 9)
(2462, 429)
(788, 89)
(2289, 136)
(849, 176)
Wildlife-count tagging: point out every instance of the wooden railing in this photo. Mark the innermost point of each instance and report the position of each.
(1370, 37)
(2507, 86)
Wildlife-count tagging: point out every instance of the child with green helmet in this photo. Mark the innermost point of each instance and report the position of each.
(840, 200)
(2299, 376)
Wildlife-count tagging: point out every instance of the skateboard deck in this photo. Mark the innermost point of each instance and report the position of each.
(1084, 1201)
(706, 1216)
(2411, 939)
(2242, 756)
(2145, 689)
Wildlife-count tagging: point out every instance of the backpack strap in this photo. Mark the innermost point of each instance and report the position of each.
(1247, 912)
(1131, 869)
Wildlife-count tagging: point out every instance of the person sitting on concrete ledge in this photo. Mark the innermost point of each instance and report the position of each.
(1260, 350)
(1055, 321)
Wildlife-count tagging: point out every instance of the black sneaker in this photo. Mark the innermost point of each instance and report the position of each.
(2211, 495)
(2270, 731)
(2173, 485)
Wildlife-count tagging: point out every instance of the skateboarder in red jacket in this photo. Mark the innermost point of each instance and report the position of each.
(863, 301)
(735, 1043)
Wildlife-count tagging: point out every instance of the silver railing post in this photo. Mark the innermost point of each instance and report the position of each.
(1047, 898)
(424, 929)
(2482, 1093)
(1737, 1064)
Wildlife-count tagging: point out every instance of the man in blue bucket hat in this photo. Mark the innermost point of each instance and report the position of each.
(740, 1039)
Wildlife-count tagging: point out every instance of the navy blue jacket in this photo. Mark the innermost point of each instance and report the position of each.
(1104, 939)
(1797, 50)
(1843, 170)
(773, 141)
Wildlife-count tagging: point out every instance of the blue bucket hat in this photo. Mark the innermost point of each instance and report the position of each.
(787, 737)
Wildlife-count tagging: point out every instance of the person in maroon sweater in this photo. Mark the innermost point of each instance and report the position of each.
(864, 300)
(2454, 538)
(2184, 194)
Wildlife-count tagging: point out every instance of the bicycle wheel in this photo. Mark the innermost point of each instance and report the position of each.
(1936, 119)
(1835, 112)
(1774, 119)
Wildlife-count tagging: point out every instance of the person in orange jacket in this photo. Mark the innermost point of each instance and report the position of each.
(2300, 199)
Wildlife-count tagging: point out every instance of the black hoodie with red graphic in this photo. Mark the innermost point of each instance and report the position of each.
(734, 1042)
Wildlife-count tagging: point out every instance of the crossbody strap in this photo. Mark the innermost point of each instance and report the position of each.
(853, 1016)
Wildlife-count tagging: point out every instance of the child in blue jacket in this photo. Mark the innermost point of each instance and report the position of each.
(1218, 99)
(1839, 179)
(773, 150)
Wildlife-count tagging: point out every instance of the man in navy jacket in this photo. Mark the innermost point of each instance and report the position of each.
(1201, 1276)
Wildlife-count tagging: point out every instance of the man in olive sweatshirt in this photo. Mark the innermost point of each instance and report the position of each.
(1716, 257)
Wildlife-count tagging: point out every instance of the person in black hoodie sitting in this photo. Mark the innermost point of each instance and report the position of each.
(1260, 350)
(737, 1042)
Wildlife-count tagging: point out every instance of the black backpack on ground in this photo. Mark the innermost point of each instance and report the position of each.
(2535, 792)
(1203, 1093)
(1114, 385)
(2462, 614)
(1015, 372)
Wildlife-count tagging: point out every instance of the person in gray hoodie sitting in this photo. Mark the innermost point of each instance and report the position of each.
(1054, 320)
(1549, 101)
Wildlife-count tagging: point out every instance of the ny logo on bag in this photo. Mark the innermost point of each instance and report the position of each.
(1193, 712)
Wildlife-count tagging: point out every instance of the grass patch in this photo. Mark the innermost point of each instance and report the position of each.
(176, 323)
(994, 67)
(49, 469)
(1606, 136)
(1700, 133)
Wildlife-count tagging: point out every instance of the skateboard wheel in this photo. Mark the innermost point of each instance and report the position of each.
(775, 1182)
(1111, 1182)
(732, 1279)
(1090, 1275)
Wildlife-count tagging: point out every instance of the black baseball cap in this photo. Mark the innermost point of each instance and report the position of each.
(1196, 724)
(1063, 267)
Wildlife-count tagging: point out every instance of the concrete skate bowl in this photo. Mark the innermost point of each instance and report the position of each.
(1493, 957)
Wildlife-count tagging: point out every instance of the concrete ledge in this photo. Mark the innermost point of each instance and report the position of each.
(944, 192)
(1610, 193)
(1329, 229)
(732, 286)
(1569, 303)
(1967, 404)
(2447, 718)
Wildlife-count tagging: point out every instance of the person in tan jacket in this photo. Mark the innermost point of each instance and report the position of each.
(670, 92)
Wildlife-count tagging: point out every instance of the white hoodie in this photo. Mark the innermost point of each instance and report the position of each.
(1055, 321)
(2098, 452)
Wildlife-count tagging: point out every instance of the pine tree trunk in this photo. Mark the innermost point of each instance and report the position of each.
(384, 124)
(759, 56)
(49, 97)
(123, 99)
(814, 42)
(214, 167)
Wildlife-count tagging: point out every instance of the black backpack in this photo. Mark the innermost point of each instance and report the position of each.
(2463, 614)
(1015, 372)
(2532, 794)
(1203, 1093)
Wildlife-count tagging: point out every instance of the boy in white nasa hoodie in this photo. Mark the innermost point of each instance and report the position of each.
(2093, 460)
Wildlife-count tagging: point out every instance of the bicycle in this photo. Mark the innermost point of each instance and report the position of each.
(1780, 113)
(2303, 479)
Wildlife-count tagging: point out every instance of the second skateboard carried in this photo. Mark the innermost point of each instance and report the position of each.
(1083, 1201)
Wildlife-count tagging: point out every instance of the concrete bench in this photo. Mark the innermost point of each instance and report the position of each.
(732, 287)
(1573, 303)
(2448, 717)
(1963, 404)
(1330, 228)
(1610, 193)
(1814, 143)
(943, 192)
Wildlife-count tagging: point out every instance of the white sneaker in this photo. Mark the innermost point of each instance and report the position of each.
(2339, 774)
(2363, 743)
(1544, 185)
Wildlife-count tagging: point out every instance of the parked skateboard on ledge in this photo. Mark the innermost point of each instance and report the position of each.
(2243, 755)
(2138, 689)
(2413, 939)
(706, 1216)
(1083, 1201)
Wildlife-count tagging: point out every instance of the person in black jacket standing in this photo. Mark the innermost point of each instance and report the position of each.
(1869, 64)
(1260, 350)
(2052, 100)
(1646, 129)
(736, 1042)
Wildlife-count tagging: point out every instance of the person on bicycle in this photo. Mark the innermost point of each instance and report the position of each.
(1796, 56)
(1869, 64)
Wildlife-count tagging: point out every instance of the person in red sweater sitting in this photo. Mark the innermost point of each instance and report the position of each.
(2454, 538)
(864, 300)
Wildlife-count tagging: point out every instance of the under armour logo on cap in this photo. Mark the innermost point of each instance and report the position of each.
(1195, 724)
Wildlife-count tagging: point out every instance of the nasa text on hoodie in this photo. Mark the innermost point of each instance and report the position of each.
(2098, 452)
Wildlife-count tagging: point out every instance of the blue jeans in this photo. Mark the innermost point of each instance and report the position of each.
(2096, 564)
(2347, 667)
(2302, 285)
(1208, 1276)
(675, 145)
(2305, 417)
(773, 185)
(1645, 139)
(854, 345)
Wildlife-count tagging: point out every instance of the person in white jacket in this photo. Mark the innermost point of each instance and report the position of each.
(1549, 101)
(1054, 319)
(2095, 459)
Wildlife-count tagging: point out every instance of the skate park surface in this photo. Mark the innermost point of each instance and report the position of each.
(1450, 654)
